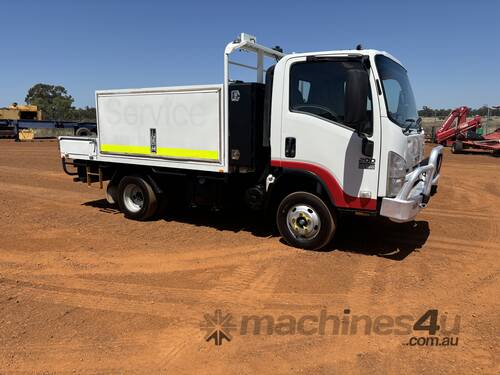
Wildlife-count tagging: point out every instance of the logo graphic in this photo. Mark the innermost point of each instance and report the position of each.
(367, 163)
(235, 96)
(432, 329)
(218, 327)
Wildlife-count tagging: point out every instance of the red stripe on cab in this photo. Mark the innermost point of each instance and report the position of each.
(341, 199)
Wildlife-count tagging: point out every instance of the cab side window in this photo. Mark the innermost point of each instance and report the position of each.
(317, 88)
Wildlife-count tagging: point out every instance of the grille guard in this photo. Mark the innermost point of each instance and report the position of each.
(416, 191)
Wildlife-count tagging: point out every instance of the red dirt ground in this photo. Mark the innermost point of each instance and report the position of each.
(83, 290)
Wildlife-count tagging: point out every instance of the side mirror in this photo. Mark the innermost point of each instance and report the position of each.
(356, 98)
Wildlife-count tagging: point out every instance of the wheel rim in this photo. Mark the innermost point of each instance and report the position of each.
(303, 222)
(133, 198)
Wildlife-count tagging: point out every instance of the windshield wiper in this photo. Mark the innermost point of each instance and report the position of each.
(411, 122)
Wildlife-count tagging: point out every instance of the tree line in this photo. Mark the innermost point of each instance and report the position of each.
(442, 113)
(57, 104)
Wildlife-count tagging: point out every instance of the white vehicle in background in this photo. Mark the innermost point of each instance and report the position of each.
(313, 135)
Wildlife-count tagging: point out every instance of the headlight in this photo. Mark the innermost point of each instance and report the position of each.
(396, 174)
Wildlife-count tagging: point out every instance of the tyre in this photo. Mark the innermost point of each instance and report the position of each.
(82, 132)
(305, 221)
(111, 193)
(136, 198)
(434, 190)
(457, 147)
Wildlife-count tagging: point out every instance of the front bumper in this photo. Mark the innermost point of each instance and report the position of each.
(416, 191)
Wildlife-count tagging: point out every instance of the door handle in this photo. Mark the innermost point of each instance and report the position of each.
(290, 147)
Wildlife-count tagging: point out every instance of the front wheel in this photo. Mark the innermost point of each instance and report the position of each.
(305, 221)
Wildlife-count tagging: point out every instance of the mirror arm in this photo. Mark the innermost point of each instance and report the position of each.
(367, 147)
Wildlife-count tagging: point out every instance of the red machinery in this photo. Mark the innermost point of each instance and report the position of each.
(456, 126)
(460, 134)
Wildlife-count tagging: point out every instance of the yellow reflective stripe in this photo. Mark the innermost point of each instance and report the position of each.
(162, 151)
(144, 150)
(185, 153)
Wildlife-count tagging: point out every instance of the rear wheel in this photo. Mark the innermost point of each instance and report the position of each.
(305, 221)
(136, 198)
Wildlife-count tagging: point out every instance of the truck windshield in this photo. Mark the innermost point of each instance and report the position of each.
(399, 99)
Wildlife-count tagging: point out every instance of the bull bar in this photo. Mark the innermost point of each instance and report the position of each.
(416, 191)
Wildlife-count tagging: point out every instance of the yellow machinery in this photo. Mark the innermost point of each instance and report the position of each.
(20, 112)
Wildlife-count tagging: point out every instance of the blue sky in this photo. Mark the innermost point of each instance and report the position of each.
(451, 49)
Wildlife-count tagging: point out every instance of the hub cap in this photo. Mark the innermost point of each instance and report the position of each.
(303, 221)
(133, 198)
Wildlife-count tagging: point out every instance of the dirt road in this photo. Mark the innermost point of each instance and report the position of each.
(83, 290)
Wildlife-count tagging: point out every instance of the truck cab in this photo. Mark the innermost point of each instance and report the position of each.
(349, 117)
(312, 136)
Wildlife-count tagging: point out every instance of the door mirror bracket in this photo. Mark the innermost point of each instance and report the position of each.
(367, 147)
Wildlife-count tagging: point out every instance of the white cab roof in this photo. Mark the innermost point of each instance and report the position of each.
(363, 52)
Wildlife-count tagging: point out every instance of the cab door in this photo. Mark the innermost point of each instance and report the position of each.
(317, 136)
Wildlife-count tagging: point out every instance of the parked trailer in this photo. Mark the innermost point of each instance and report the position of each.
(8, 129)
(488, 143)
(314, 135)
(11, 128)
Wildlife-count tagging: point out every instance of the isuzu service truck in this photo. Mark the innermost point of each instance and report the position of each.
(310, 136)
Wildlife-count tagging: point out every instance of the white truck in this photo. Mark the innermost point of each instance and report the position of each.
(309, 137)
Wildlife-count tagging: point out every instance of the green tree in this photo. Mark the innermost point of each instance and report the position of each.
(426, 112)
(54, 101)
(481, 111)
(86, 114)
